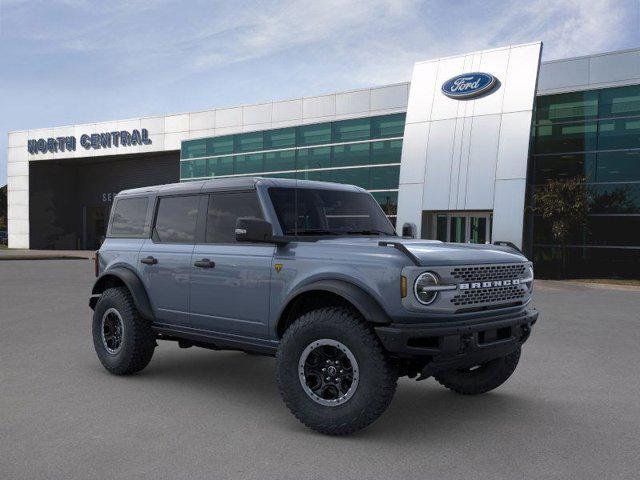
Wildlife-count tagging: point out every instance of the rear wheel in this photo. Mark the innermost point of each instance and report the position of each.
(480, 378)
(122, 339)
(333, 374)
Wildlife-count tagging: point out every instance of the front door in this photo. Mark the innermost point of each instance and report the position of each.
(165, 259)
(460, 227)
(230, 281)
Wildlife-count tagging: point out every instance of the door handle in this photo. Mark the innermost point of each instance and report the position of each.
(149, 260)
(204, 263)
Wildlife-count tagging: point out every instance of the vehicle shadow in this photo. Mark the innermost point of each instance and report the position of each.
(418, 409)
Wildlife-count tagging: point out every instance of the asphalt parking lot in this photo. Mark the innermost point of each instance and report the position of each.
(571, 410)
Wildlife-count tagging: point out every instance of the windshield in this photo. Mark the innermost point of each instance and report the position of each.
(328, 212)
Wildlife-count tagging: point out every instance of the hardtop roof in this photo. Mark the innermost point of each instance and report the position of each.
(234, 183)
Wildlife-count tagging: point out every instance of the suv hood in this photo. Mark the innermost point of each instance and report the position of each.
(438, 253)
(434, 252)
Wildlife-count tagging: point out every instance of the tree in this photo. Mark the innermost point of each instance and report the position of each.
(3, 208)
(565, 204)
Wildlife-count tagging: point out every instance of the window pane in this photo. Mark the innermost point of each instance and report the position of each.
(220, 166)
(321, 176)
(587, 262)
(352, 130)
(620, 102)
(388, 201)
(129, 217)
(220, 145)
(194, 148)
(441, 228)
(351, 176)
(615, 134)
(251, 163)
(383, 178)
(457, 229)
(566, 138)
(388, 126)
(290, 175)
(612, 230)
(386, 152)
(193, 168)
(618, 167)
(314, 134)
(277, 161)
(566, 106)
(224, 210)
(478, 229)
(319, 157)
(615, 198)
(280, 138)
(555, 167)
(186, 170)
(176, 219)
(247, 142)
(347, 155)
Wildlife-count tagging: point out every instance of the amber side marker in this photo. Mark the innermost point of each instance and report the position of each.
(403, 286)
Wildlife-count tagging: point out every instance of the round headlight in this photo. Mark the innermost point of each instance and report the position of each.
(424, 294)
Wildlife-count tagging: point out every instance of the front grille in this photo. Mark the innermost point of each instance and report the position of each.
(482, 273)
(489, 295)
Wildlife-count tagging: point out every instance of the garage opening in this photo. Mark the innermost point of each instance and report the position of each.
(70, 200)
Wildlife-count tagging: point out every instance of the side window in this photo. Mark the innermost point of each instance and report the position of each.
(128, 218)
(224, 210)
(176, 219)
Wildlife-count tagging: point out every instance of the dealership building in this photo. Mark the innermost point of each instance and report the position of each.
(459, 153)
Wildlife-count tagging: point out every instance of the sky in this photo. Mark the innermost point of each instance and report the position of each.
(65, 62)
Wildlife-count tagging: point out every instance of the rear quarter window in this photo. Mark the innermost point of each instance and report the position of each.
(128, 219)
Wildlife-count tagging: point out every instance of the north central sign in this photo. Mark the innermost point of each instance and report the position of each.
(93, 141)
(469, 85)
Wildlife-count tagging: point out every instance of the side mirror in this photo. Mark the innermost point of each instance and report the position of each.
(249, 229)
(409, 230)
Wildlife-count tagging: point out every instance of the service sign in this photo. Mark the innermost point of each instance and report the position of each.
(469, 85)
(93, 141)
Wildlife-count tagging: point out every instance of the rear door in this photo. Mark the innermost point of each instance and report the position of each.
(165, 258)
(230, 281)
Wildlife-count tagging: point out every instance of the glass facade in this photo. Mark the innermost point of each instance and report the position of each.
(593, 136)
(363, 151)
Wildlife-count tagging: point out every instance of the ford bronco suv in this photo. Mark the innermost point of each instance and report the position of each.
(313, 274)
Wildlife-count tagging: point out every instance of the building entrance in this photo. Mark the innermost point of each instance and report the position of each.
(460, 227)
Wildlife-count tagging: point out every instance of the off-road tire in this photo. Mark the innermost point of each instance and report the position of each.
(377, 375)
(138, 340)
(483, 379)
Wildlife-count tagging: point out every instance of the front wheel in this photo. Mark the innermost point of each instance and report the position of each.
(480, 378)
(333, 374)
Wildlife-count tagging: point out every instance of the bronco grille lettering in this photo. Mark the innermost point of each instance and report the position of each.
(492, 283)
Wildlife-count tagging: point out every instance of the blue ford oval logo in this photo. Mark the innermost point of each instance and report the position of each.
(468, 85)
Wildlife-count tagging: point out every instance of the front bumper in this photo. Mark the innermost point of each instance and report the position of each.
(447, 346)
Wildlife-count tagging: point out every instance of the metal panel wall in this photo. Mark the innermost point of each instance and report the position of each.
(473, 152)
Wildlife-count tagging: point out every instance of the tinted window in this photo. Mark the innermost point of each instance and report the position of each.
(128, 217)
(176, 219)
(321, 212)
(224, 210)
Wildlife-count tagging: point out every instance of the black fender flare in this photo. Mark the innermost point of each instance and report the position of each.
(133, 284)
(361, 300)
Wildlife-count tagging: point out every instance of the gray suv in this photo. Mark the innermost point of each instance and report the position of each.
(313, 274)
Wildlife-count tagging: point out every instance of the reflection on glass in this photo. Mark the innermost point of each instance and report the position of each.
(457, 229)
(478, 226)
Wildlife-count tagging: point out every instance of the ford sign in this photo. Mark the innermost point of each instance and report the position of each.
(469, 85)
